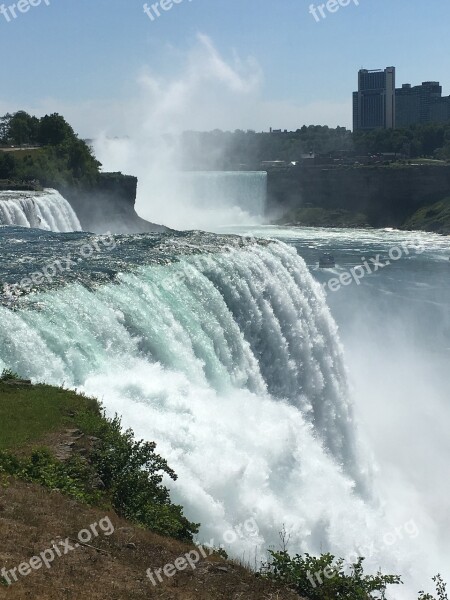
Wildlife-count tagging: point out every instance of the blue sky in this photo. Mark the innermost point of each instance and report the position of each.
(87, 59)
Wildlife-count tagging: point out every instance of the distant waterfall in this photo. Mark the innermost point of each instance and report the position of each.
(227, 189)
(203, 199)
(39, 210)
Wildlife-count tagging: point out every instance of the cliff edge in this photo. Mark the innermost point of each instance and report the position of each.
(109, 205)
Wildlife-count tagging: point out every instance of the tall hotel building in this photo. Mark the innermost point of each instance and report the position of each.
(378, 105)
(374, 102)
(421, 104)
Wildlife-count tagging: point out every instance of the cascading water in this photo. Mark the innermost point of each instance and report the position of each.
(41, 210)
(202, 199)
(231, 362)
(228, 189)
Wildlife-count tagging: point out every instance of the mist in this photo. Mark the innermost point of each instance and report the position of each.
(399, 381)
(395, 333)
(208, 91)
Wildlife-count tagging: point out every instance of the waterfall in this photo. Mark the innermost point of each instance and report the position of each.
(246, 190)
(40, 210)
(231, 362)
(204, 200)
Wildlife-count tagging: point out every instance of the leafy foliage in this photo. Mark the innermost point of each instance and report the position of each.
(441, 590)
(326, 578)
(223, 149)
(60, 159)
(7, 166)
(54, 130)
(72, 477)
(133, 473)
(118, 471)
(8, 375)
(19, 128)
(432, 140)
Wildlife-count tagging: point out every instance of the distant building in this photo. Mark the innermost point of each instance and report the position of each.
(379, 105)
(374, 102)
(421, 104)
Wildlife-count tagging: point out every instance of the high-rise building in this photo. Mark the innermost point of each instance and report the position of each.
(374, 102)
(378, 105)
(421, 104)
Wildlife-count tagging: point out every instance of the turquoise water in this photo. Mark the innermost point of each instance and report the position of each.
(268, 394)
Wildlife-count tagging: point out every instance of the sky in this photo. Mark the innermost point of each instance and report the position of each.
(204, 64)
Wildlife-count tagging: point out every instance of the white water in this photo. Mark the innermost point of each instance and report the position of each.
(181, 199)
(234, 368)
(41, 210)
(202, 200)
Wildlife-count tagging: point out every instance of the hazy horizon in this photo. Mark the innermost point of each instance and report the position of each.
(107, 68)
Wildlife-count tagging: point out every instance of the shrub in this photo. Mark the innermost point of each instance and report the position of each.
(118, 471)
(8, 375)
(133, 473)
(72, 477)
(326, 578)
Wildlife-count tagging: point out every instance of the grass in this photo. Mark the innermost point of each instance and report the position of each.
(62, 441)
(431, 218)
(28, 413)
(43, 498)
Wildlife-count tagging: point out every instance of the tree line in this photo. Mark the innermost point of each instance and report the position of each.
(61, 157)
(226, 150)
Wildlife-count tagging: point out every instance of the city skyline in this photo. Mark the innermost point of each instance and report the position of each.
(380, 104)
(110, 68)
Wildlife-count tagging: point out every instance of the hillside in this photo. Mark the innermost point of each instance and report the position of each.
(37, 421)
(435, 218)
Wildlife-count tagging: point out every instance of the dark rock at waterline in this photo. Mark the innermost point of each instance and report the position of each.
(382, 196)
(109, 206)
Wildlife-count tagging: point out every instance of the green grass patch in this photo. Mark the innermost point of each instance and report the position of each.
(28, 413)
(110, 468)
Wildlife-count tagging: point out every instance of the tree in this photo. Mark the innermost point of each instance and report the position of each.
(81, 160)
(7, 166)
(4, 128)
(20, 128)
(54, 130)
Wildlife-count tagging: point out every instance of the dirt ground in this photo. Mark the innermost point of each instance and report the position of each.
(110, 567)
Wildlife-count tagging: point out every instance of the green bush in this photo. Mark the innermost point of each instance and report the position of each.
(8, 375)
(326, 578)
(118, 471)
(133, 473)
(73, 477)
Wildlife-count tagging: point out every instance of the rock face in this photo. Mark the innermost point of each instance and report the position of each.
(109, 206)
(386, 195)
